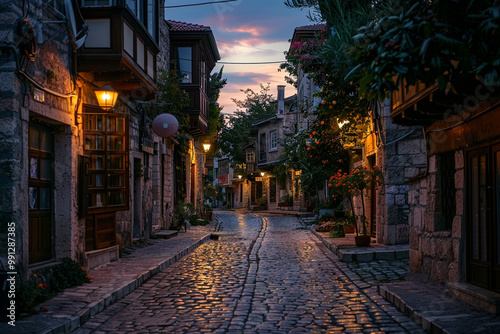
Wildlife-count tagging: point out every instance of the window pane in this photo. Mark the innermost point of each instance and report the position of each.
(116, 180)
(34, 137)
(115, 143)
(33, 198)
(98, 162)
(99, 122)
(97, 200)
(98, 180)
(184, 63)
(115, 162)
(45, 198)
(111, 124)
(45, 141)
(120, 124)
(115, 198)
(89, 142)
(46, 169)
(34, 168)
(132, 4)
(99, 145)
(152, 18)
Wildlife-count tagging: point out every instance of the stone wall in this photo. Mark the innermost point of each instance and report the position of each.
(401, 155)
(50, 76)
(434, 247)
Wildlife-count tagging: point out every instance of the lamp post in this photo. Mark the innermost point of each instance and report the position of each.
(106, 97)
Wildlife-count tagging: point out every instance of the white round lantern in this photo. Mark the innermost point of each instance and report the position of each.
(165, 125)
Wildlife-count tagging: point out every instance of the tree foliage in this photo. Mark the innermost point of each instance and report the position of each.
(443, 41)
(236, 130)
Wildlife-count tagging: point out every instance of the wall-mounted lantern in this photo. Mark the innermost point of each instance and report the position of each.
(106, 97)
(239, 177)
(206, 147)
(262, 174)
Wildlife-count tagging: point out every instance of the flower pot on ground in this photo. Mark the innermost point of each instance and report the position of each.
(362, 240)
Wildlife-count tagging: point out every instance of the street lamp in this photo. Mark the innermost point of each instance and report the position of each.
(106, 97)
(262, 174)
(239, 177)
(206, 147)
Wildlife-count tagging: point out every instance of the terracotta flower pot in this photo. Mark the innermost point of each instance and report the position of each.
(362, 240)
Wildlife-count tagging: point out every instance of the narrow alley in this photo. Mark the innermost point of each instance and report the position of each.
(265, 274)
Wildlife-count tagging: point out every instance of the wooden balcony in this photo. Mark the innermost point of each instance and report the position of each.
(424, 105)
(119, 49)
(197, 110)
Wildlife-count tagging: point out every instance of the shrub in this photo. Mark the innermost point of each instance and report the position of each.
(68, 274)
(31, 293)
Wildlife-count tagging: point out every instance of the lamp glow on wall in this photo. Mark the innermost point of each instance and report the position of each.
(106, 97)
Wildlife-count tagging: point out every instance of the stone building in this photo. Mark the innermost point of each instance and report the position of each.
(81, 179)
(454, 229)
(270, 134)
(398, 150)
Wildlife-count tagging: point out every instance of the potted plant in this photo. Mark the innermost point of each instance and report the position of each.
(208, 212)
(354, 184)
(262, 202)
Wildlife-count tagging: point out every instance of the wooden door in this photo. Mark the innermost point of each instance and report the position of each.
(483, 221)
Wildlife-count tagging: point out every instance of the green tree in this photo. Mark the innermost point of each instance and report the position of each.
(236, 131)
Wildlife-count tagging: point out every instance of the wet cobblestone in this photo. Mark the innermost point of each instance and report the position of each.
(261, 276)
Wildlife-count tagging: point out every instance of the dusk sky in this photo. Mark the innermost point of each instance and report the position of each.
(245, 31)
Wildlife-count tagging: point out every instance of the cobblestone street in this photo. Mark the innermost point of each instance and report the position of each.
(268, 275)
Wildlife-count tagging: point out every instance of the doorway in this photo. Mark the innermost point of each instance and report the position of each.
(483, 218)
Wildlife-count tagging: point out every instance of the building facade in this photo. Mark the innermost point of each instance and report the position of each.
(454, 229)
(82, 179)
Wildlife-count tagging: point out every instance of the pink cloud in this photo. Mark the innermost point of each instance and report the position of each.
(252, 41)
(254, 31)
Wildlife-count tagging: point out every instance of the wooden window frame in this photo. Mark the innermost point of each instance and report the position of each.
(106, 172)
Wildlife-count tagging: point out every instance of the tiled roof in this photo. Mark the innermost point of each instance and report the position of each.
(184, 26)
(319, 26)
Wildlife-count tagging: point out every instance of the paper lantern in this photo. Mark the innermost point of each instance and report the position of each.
(165, 125)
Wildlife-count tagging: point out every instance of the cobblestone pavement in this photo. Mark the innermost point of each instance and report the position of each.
(265, 275)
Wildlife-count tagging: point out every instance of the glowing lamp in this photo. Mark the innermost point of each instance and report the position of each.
(262, 174)
(206, 147)
(106, 97)
(239, 177)
(165, 125)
